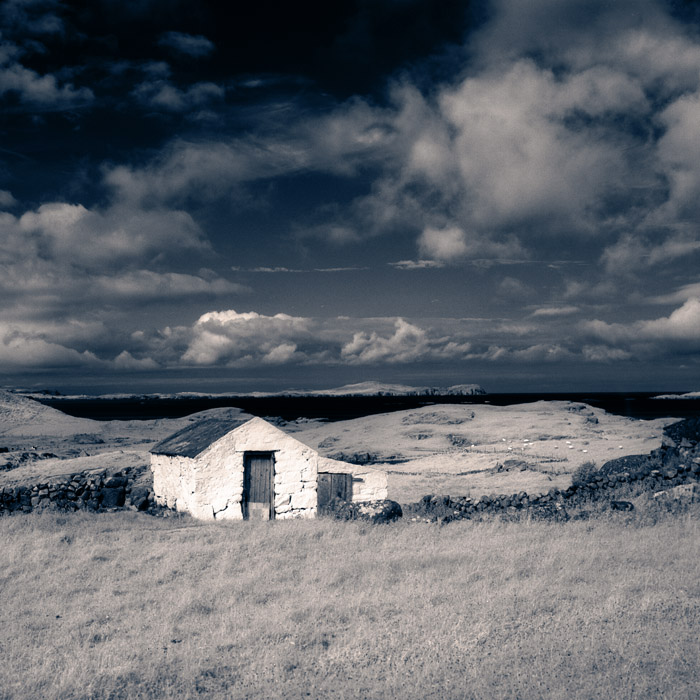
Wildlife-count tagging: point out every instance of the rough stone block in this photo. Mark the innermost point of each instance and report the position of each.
(112, 497)
(113, 482)
(287, 489)
(304, 499)
(281, 500)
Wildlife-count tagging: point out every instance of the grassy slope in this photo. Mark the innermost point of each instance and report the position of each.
(122, 605)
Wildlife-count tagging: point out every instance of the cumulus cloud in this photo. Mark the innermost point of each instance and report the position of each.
(408, 343)
(196, 46)
(239, 339)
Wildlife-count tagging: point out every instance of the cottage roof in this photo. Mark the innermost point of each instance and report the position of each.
(195, 438)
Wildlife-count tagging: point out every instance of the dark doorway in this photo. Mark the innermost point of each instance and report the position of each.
(258, 485)
(332, 486)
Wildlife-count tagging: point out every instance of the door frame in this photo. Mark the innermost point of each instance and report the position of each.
(246, 480)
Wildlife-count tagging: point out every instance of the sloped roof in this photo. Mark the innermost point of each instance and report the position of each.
(195, 438)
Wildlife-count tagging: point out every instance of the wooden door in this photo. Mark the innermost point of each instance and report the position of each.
(258, 485)
(332, 486)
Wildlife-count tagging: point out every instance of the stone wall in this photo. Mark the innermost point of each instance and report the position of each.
(91, 490)
(662, 471)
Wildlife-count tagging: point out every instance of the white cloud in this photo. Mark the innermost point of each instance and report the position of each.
(680, 331)
(125, 360)
(445, 244)
(409, 343)
(416, 264)
(24, 347)
(452, 244)
(107, 238)
(551, 311)
(232, 338)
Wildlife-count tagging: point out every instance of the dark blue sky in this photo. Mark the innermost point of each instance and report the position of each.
(285, 196)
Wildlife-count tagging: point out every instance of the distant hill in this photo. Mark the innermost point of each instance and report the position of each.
(20, 415)
(689, 395)
(369, 388)
(381, 389)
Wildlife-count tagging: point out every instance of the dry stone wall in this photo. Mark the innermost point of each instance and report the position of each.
(662, 470)
(90, 490)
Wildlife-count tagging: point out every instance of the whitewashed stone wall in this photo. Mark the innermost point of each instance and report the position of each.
(211, 485)
(173, 482)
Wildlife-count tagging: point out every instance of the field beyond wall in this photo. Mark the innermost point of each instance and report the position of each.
(124, 605)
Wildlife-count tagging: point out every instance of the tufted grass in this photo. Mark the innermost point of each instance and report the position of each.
(126, 606)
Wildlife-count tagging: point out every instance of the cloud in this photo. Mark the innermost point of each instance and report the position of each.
(148, 285)
(125, 360)
(443, 245)
(196, 46)
(22, 347)
(678, 332)
(452, 244)
(7, 201)
(239, 339)
(680, 296)
(632, 253)
(353, 136)
(39, 91)
(31, 18)
(416, 264)
(409, 343)
(116, 235)
(603, 353)
(553, 311)
(163, 95)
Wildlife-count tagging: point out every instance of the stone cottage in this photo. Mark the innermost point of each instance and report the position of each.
(239, 470)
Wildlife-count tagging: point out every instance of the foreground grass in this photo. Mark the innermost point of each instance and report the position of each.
(123, 605)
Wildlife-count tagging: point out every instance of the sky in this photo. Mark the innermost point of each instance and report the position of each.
(207, 197)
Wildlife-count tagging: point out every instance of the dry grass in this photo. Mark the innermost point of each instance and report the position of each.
(122, 605)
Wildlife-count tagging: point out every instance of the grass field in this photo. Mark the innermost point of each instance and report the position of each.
(125, 606)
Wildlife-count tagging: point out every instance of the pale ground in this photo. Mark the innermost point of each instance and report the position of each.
(442, 449)
(479, 449)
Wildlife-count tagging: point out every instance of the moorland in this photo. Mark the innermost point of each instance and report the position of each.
(124, 605)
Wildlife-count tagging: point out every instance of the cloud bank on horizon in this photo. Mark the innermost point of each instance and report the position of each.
(514, 190)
